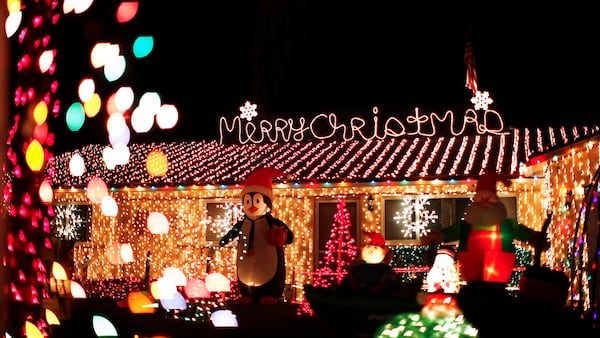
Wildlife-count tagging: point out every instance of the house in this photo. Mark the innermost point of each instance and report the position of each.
(389, 183)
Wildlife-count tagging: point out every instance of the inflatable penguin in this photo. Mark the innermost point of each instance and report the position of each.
(260, 260)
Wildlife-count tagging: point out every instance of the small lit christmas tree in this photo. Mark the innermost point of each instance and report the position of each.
(340, 250)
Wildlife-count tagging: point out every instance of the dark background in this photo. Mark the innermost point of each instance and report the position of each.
(300, 58)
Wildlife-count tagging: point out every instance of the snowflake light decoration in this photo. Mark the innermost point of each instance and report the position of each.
(248, 111)
(414, 217)
(68, 221)
(481, 100)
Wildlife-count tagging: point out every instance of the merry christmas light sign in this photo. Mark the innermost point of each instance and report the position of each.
(244, 129)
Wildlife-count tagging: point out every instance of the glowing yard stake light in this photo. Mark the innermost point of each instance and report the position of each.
(103, 327)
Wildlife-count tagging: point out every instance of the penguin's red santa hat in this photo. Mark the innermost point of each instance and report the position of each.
(261, 181)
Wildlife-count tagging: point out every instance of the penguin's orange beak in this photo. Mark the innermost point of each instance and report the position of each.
(253, 209)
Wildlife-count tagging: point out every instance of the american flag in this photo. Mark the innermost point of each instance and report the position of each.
(471, 74)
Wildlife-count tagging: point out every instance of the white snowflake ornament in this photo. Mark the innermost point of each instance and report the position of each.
(68, 221)
(415, 218)
(248, 111)
(481, 100)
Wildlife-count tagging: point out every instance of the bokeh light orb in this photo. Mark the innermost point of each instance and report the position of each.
(122, 153)
(40, 132)
(217, 282)
(96, 190)
(176, 275)
(40, 113)
(59, 272)
(87, 88)
(164, 288)
(34, 156)
(195, 288)
(76, 165)
(157, 163)
(103, 52)
(51, 317)
(123, 137)
(116, 123)
(13, 21)
(140, 302)
(224, 318)
(151, 101)
(124, 98)
(127, 11)
(142, 46)
(92, 106)
(77, 291)
(127, 253)
(32, 331)
(175, 302)
(167, 116)
(142, 119)
(45, 192)
(109, 206)
(157, 223)
(75, 116)
(109, 157)
(103, 327)
(115, 68)
(45, 60)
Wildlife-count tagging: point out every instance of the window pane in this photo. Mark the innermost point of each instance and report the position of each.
(326, 213)
(394, 213)
(220, 217)
(409, 218)
(72, 222)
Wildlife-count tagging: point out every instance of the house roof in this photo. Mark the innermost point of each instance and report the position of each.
(393, 159)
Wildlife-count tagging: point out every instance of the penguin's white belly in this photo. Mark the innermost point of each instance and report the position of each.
(259, 267)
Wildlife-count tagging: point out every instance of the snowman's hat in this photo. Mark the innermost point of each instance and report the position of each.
(446, 250)
(375, 238)
(261, 180)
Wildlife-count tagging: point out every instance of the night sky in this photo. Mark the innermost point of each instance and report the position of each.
(300, 58)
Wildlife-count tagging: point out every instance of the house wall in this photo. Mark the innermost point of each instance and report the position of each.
(572, 170)
(185, 245)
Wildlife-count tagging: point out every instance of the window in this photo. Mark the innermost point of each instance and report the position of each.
(326, 210)
(72, 222)
(220, 217)
(409, 217)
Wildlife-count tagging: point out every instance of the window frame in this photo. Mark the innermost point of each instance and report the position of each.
(511, 212)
